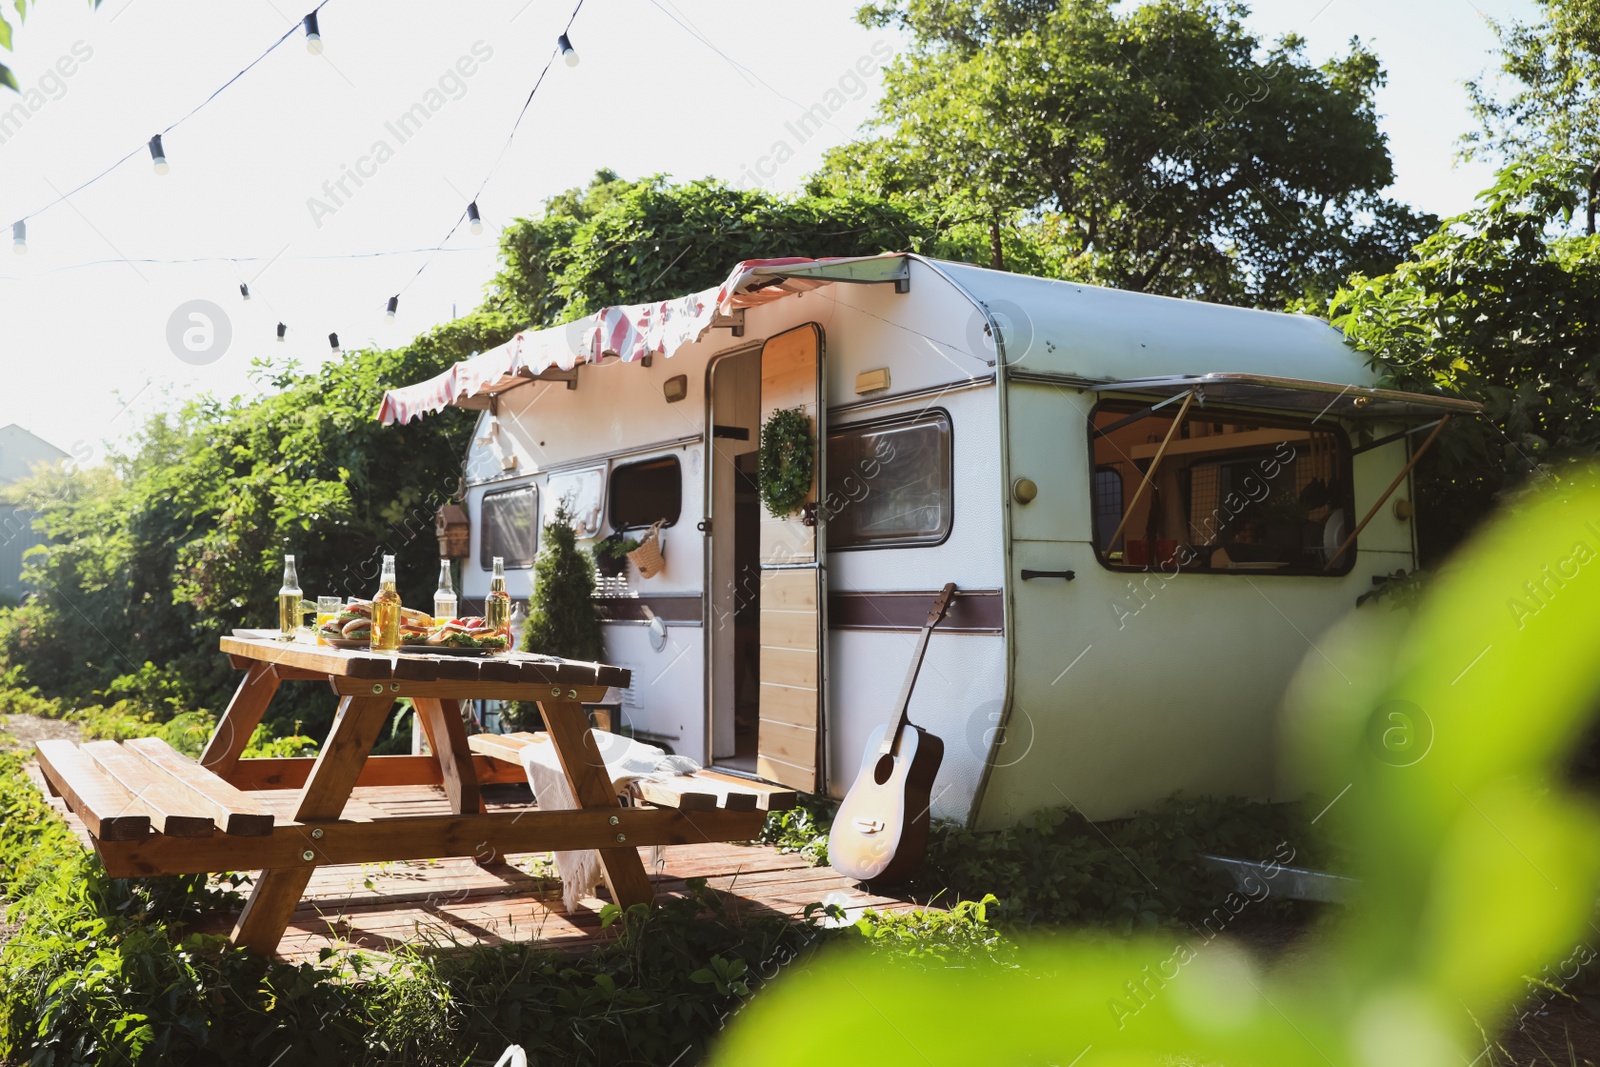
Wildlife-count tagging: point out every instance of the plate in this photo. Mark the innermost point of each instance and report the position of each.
(339, 642)
(1333, 534)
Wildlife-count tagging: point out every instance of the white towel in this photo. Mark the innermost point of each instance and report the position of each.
(627, 761)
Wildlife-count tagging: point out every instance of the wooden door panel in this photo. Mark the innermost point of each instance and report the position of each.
(788, 745)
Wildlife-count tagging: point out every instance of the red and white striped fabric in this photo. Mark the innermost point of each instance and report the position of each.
(627, 333)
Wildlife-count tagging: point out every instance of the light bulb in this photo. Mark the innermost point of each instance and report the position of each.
(333, 343)
(244, 290)
(474, 220)
(158, 154)
(394, 305)
(282, 329)
(19, 238)
(568, 53)
(313, 35)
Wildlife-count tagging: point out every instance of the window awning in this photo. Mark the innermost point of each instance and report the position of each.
(1293, 394)
(631, 332)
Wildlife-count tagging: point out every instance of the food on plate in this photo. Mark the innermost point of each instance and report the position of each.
(471, 631)
(354, 623)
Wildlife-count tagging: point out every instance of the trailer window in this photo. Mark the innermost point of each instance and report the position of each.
(509, 527)
(889, 483)
(1233, 493)
(646, 492)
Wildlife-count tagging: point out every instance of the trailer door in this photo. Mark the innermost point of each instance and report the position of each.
(793, 595)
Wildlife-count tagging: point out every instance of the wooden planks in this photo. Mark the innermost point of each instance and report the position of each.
(701, 791)
(229, 808)
(291, 772)
(454, 901)
(172, 810)
(791, 612)
(790, 708)
(106, 808)
(769, 797)
(381, 836)
(515, 668)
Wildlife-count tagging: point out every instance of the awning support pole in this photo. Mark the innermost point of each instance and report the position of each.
(1151, 473)
(1392, 438)
(1405, 472)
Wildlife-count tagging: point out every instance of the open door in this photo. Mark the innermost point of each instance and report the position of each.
(792, 599)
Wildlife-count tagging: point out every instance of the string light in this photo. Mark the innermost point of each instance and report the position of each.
(474, 220)
(19, 237)
(244, 290)
(313, 34)
(394, 305)
(158, 154)
(333, 343)
(569, 54)
(282, 329)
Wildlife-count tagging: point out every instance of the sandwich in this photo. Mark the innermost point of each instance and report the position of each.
(469, 632)
(354, 623)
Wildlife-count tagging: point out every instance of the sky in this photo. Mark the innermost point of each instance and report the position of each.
(305, 180)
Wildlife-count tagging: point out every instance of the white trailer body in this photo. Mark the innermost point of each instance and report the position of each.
(982, 428)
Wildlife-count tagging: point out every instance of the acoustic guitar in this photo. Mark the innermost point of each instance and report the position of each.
(881, 830)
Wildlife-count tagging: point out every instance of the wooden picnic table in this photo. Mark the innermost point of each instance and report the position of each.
(367, 685)
(150, 810)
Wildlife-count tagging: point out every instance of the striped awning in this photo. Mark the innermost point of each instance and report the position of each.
(629, 333)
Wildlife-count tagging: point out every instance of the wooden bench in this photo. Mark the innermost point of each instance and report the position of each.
(124, 791)
(151, 811)
(704, 790)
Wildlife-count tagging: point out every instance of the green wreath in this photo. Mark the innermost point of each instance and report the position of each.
(785, 460)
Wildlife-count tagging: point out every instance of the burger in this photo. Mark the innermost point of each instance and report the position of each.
(469, 632)
(354, 623)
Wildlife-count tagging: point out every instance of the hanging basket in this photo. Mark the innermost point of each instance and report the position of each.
(647, 557)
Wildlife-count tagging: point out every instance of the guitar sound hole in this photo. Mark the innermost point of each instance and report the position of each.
(883, 769)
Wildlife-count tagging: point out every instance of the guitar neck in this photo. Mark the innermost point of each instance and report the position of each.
(903, 705)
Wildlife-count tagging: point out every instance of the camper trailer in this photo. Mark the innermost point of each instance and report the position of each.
(1151, 509)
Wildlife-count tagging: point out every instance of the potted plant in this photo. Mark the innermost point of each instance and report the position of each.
(611, 554)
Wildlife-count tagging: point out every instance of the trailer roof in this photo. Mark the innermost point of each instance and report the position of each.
(1106, 338)
(629, 333)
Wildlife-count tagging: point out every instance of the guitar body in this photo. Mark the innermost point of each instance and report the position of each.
(881, 830)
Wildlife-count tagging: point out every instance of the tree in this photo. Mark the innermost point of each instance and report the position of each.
(623, 242)
(1157, 148)
(561, 619)
(1498, 306)
(1556, 108)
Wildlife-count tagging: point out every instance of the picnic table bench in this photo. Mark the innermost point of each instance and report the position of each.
(152, 811)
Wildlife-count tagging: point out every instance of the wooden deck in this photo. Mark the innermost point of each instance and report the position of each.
(442, 904)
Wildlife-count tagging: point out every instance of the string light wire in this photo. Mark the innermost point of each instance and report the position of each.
(504, 148)
(76, 189)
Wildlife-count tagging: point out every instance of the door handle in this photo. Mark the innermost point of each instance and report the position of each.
(1028, 575)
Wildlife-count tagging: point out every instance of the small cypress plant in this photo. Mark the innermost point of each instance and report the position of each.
(561, 617)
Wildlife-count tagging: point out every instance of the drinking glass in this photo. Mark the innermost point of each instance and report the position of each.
(328, 608)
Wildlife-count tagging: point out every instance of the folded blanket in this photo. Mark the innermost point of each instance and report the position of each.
(627, 761)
